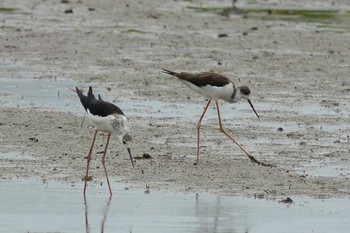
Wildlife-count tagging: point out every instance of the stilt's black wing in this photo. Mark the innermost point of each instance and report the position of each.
(97, 107)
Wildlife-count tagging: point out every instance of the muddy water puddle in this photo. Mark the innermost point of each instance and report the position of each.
(56, 95)
(48, 206)
(15, 156)
(17, 89)
(326, 167)
(36, 93)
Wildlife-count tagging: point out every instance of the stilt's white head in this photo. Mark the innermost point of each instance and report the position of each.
(126, 139)
(121, 130)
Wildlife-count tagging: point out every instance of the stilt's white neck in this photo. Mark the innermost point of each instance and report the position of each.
(240, 92)
(237, 95)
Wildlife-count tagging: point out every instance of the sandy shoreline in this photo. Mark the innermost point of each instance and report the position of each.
(298, 74)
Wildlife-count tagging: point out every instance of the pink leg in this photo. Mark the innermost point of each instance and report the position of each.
(88, 160)
(229, 136)
(198, 128)
(104, 166)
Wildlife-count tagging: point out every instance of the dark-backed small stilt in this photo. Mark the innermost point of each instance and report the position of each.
(107, 118)
(215, 86)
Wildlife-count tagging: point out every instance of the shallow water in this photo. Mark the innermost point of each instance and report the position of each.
(327, 167)
(56, 95)
(15, 156)
(18, 90)
(37, 93)
(47, 206)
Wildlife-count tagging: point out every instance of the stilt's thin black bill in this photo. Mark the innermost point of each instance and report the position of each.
(251, 105)
(132, 161)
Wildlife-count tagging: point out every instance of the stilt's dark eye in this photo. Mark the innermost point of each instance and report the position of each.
(124, 142)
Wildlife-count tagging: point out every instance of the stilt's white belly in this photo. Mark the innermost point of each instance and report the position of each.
(213, 92)
(116, 123)
(103, 124)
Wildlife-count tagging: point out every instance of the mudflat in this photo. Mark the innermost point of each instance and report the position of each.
(298, 71)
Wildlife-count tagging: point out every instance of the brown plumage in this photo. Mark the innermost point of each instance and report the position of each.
(201, 79)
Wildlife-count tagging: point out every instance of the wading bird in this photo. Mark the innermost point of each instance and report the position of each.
(215, 86)
(107, 118)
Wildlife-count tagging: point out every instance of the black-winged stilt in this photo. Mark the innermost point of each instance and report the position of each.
(107, 118)
(215, 86)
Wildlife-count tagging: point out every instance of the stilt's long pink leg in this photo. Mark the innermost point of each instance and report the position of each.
(88, 158)
(198, 127)
(104, 166)
(227, 134)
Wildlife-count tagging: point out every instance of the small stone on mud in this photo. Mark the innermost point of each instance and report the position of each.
(288, 200)
(144, 156)
(280, 129)
(221, 35)
(34, 139)
(69, 11)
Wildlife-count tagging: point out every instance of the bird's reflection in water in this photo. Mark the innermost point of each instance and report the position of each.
(217, 215)
(105, 214)
(204, 209)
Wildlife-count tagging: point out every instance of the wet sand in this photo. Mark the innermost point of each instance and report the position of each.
(298, 74)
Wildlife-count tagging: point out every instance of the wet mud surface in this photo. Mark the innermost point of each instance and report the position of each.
(298, 73)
